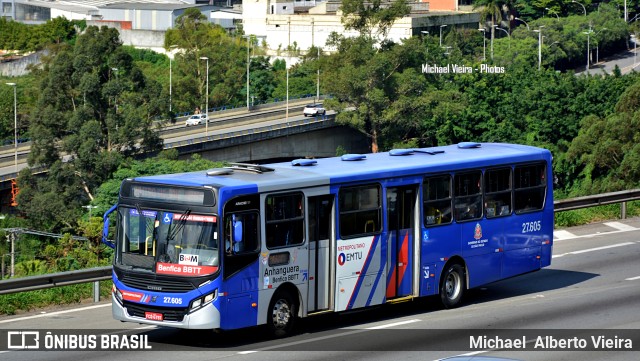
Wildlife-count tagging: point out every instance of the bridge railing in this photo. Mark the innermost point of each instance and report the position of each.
(95, 275)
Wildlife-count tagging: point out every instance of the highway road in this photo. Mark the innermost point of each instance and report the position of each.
(225, 122)
(627, 61)
(591, 288)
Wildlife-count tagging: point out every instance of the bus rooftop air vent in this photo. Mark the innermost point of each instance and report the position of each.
(430, 151)
(303, 162)
(398, 152)
(219, 171)
(468, 145)
(353, 157)
(250, 167)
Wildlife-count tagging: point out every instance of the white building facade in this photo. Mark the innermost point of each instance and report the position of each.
(303, 24)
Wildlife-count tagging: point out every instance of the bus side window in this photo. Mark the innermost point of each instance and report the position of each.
(497, 192)
(530, 187)
(436, 195)
(360, 210)
(284, 220)
(468, 196)
(241, 233)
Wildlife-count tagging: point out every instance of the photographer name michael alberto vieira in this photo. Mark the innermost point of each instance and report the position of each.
(461, 69)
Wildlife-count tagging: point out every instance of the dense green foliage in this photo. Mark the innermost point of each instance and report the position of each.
(10, 304)
(22, 37)
(95, 108)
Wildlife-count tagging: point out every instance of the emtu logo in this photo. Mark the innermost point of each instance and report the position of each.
(342, 259)
(23, 340)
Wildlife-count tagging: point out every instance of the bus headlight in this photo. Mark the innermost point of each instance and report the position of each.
(118, 294)
(196, 303)
(203, 301)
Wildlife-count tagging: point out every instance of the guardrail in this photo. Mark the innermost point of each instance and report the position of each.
(33, 283)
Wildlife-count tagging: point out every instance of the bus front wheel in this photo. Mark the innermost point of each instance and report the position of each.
(282, 314)
(452, 286)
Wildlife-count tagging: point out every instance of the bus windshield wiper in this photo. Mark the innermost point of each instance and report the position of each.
(150, 225)
(172, 232)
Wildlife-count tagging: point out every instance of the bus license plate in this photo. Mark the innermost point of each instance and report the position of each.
(154, 316)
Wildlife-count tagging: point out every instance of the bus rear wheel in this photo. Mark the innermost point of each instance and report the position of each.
(282, 314)
(452, 286)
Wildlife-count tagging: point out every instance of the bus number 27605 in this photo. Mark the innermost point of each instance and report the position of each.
(534, 226)
(173, 300)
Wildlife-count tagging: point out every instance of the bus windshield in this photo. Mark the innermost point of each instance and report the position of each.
(164, 241)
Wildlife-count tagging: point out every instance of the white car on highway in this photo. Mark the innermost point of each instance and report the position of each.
(196, 119)
(314, 109)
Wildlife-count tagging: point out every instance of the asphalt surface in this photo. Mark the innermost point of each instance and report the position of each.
(592, 289)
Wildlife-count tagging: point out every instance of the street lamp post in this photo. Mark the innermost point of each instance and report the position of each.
(588, 34)
(170, 74)
(286, 113)
(484, 44)
(635, 47)
(524, 22)
(509, 35)
(206, 112)
(90, 207)
(539, 31)
(441, 26)
(115, 70)
(248, 37)
(318, 78)
(598, 45)
(583, 8)
(15, 126)
(554, 13)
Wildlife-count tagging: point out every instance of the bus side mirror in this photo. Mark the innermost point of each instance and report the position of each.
(105, 227)
(237, 231)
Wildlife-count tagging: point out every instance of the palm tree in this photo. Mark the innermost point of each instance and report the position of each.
(492, 9)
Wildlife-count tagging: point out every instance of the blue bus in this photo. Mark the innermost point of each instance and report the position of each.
(249, 245)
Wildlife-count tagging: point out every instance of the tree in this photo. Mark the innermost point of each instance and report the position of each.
(197, 38)
(490, 9)
(372, 19)
(362, 68)
(95, 109)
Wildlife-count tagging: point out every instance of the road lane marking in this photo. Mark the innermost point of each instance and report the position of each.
(56, 313)
(328, 337)
(594, 249)
(632, 278)
(392, 324)
(562, 234)
(620, 226)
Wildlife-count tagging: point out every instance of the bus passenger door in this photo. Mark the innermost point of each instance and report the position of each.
(320, 226)
(400, 243)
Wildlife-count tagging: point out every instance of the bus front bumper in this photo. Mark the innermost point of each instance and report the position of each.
(206, 317)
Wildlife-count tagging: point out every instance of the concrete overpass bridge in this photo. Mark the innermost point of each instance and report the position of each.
(256, 137)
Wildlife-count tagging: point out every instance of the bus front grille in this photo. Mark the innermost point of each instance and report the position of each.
(157, 285)
(168, 314)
